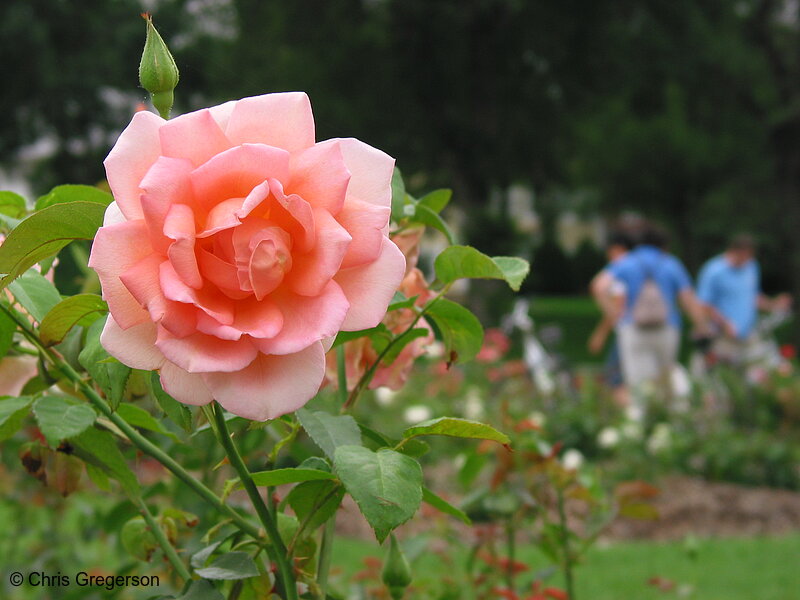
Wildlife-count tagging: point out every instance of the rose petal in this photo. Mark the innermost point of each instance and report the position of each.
(260, 319)
(207, 298)
(235, 172)
(201, 353)
(294, 214)
(281, 120)
(319, 176)
(272, 385)
(134, 347)
(113, 215)
(371, 172)
(370, 288)
(137, 148)
(142, 282)
(366, 224)
(188, 388)
(195, 136)
(312, 271)
(115, 249)
(306, 320)
(222, 113)
(179, 226)
(166, 183)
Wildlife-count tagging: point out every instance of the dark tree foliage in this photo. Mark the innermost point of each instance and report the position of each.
(685, 110)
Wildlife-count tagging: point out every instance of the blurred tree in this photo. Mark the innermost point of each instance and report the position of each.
(686, 110)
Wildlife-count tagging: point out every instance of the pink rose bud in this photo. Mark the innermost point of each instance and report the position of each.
(158, 73)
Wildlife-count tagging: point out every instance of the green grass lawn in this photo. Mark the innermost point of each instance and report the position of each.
(723, 569)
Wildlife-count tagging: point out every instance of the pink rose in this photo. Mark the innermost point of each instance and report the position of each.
(238, 247)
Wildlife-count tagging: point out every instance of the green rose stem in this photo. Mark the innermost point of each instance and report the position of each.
(134, 436)
(158, 533)
(279, 553)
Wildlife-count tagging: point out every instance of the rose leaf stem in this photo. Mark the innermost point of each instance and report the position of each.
(341, 372)
(134, 436)
(325, 555)
(280, 555)
(158, 533)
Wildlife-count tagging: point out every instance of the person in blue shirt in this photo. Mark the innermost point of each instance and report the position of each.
(604, 290)
(729, 285)
(649, 346)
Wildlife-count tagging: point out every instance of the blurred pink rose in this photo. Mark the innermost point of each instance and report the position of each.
(495, 346)
(360, 354)
(238, 247)
(15, 372)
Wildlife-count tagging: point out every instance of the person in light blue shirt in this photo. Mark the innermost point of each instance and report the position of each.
(649, 351)
(730, 287)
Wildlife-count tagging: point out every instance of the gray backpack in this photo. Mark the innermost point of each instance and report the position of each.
(650, 310)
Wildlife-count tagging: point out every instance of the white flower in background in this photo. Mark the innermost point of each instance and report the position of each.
(572, 459)
(634, 412)
(608, 437)
(632, 430)
(660, 439)
(435, 349)
(460, 461)
(417, 413)
(681, 384)
(473, 404)
(384, 395)
(537, 418)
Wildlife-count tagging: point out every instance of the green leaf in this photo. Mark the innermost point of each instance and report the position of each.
(44, 233)
(74, 193)
(436, 200)
(139, 417)
(424, 215)
(386, 485)
(200, 589)
(401, 342)
(458, 262)
(399, 196)
(461, 331)
(100, 449)
(444, 506)
(7, 329)
(12, 413)
(59, 419)
(229, 566)
(328, 431)
(379, 332)
(199, 558)
(109, 374)
(177, 413)
(316, 501)
(35, 293)
(12, 205)
(81, 310)
(282, 476)
(455, 427)
(400, 301)
(415, 448)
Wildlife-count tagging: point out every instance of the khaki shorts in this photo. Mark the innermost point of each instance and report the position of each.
(647, 354)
